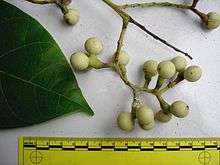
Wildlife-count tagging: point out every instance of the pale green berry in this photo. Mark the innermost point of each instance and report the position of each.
(193, 73)
(93, 45)
(123, 58)
(148, 126)
(180, 63)
(72, 16)
(166, 69)
(163, 117)
(150, 68)
(79, 61)
(213, 20)
(145, 115)
(125, 121)
(179, 109)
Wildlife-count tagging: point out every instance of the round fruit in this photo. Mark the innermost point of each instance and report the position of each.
(123, 58)
(166, 69)
(148, 126)
(79, 61)
(193, 73)
(163, 117)
(179, 109)
(213, 20)
(125, 121)
(145, 115)
(93, 45)
(180, 63)
(72, 16)
(150, 68)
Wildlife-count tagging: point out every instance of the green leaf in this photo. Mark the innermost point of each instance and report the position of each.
(36, 81)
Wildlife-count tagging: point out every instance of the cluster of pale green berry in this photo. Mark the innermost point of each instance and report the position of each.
(82, 61)
(172, 71)
(166, 70)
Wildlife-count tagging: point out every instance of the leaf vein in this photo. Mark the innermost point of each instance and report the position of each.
(25, 45)
(34, 84)
(8, 105)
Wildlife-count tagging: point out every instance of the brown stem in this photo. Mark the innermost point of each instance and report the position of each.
(203, 16)
(128, 18)
(42, 1)
(62, 7)
(142, 27)
(154, 4)
(178, 79)
(194, 3)
(121, 39)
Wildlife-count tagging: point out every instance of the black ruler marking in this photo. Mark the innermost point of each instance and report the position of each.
(134, 147)
(197, 149)
(68, 149)
(185, 146)
(42, 148)
(29, 146)
(173, 149)
(120, 149)
(114, 148)
(147, 149)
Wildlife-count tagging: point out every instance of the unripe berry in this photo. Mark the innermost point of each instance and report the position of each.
(150, 68)
(193, 73)
(179, 109)
(79, 61)
(180, 63)
(148, 126)
(163, 117)
(125, 121)
(145, 115)
(72, 16)
(93, 45)
(166, 69)
(213, 20)
(123, 58)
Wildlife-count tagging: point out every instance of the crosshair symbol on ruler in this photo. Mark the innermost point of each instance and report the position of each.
(36, 157)
(204, 157)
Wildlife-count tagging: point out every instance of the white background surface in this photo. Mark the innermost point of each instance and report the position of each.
(104, 90)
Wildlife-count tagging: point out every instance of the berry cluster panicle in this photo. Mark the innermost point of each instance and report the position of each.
(169, 73)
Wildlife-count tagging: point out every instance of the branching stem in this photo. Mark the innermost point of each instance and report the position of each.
(126, 19)
(42, 1)
(155, 4)
(129, 19)
(62, 7)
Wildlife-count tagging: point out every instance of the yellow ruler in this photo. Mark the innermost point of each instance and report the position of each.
(118, 151)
